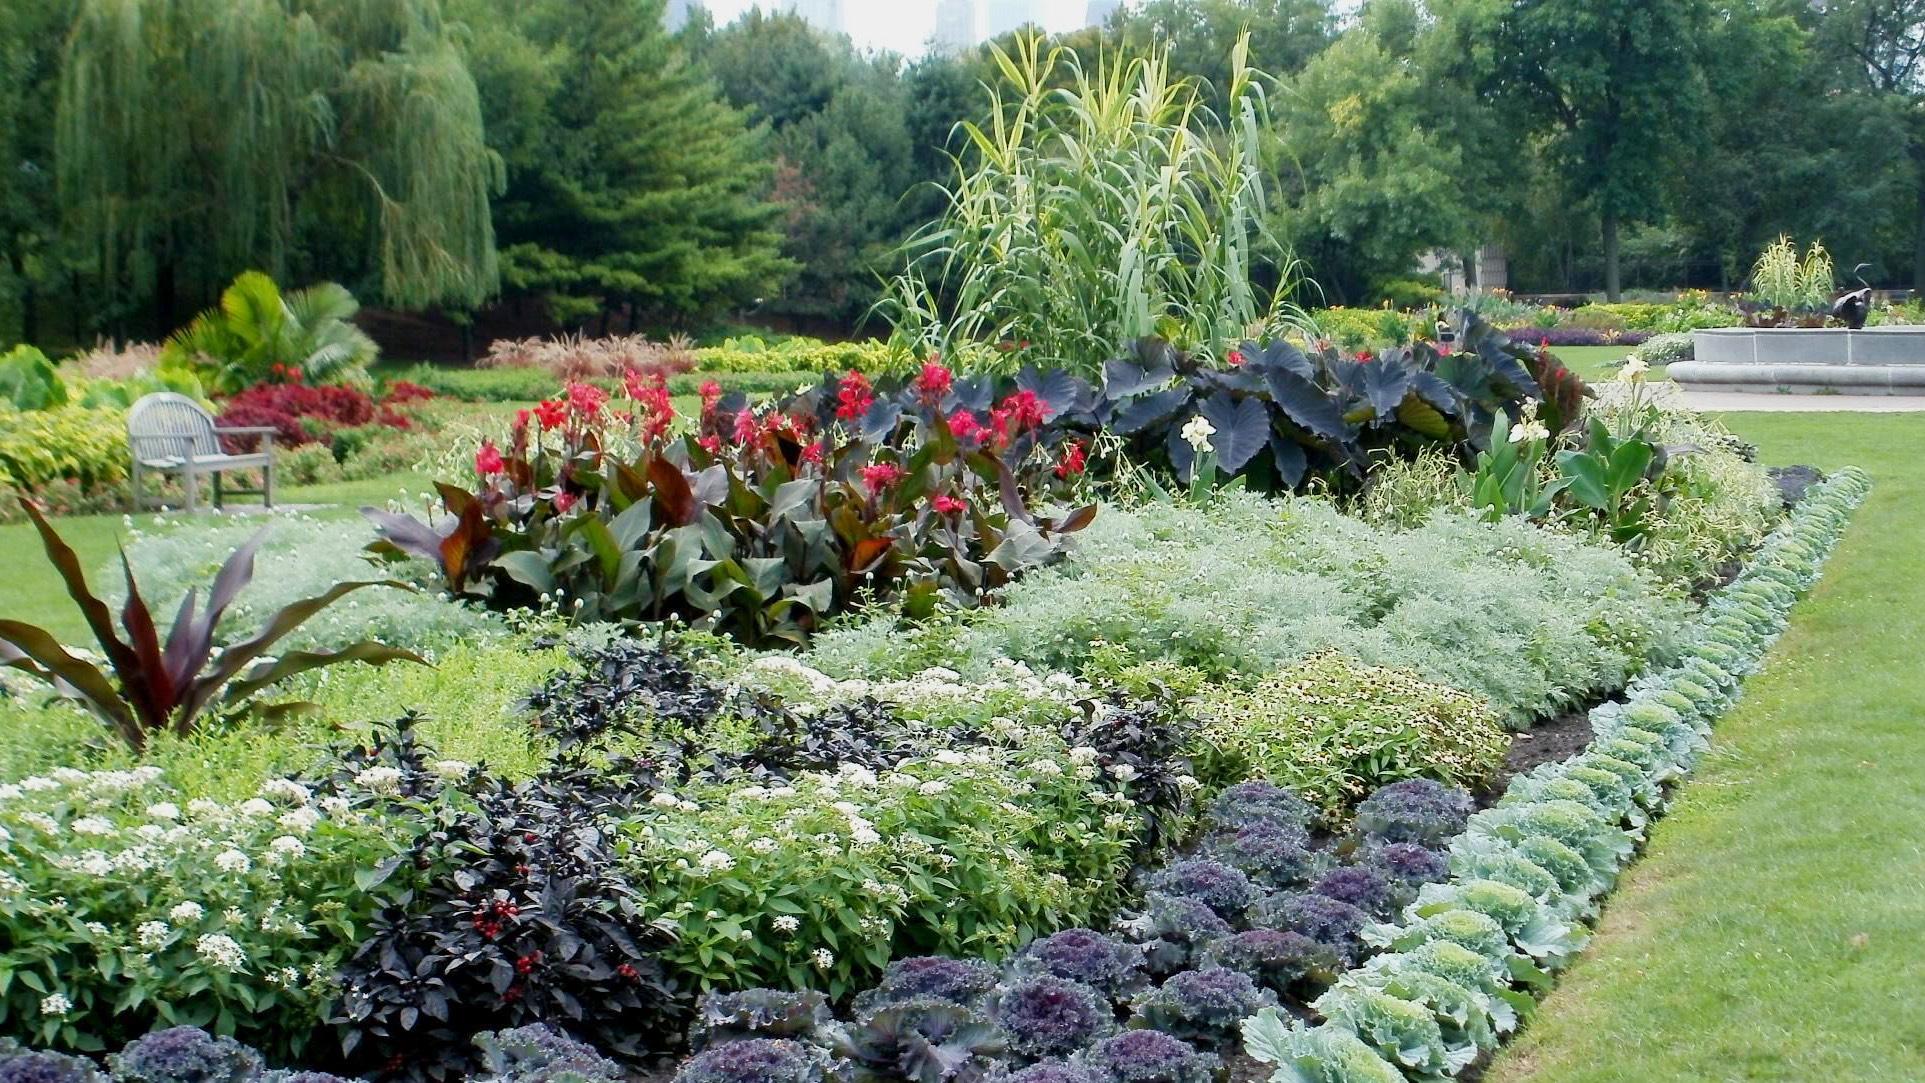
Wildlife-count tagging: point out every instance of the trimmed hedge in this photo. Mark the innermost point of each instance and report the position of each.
(1470, 955)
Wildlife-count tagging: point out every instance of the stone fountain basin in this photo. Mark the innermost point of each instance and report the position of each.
(1875, 361)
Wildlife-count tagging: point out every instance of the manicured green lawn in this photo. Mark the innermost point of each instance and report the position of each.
(32, 592)
(1772, 931)
(1598, 362)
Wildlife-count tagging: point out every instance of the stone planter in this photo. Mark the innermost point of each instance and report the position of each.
(1875, 361)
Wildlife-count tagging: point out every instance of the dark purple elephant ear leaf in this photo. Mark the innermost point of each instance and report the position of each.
(1242, 429)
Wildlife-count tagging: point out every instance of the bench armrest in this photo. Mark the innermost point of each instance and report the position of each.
(245, 430)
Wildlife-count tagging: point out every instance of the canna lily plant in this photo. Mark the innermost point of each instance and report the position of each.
(150, 685)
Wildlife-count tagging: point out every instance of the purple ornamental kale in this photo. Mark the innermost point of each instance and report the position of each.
(1149, 1056)
(1201, 1005)
(759, 1013)
(1218, 886)
(1084, 955)
(20, 1066)
(757, 1060)
(537, 1052)
(960, 981)
(1409, 865)
(185, 1055)
(1275, 959)
(1260, 802)
(1171, 929)
(1273, 855)
(1052, 1071)
(1048, 1017)
(1416, 810)
(1361, 886)
(1334, 924)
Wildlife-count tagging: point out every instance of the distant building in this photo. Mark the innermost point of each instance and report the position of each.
(958, 25)
(1489, 269)
(1099, 11)
(1002, 16)
(825, 15)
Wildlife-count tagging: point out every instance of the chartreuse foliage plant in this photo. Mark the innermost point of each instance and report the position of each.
(1333, 729)
(1460, 962)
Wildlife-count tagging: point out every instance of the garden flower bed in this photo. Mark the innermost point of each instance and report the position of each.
(1197, 759)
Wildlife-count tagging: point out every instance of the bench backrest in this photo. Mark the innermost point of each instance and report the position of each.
(167, 425)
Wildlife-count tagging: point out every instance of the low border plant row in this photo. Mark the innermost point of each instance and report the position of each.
(1471, 955)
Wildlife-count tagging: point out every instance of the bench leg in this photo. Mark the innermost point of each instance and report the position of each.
(267, 484)
(134, 482)
(217, 490)
(192, 483)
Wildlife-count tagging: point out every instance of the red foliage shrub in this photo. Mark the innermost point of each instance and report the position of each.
(300, 414)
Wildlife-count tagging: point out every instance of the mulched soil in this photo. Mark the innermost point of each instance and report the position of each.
(1551, 741)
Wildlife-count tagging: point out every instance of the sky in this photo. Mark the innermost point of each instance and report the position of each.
(900, 26)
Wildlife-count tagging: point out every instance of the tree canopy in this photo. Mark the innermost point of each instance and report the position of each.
(195, 138)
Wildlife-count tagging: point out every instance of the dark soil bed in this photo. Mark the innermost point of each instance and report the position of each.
(1553, 740)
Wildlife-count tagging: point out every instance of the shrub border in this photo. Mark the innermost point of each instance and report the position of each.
(1654, 737)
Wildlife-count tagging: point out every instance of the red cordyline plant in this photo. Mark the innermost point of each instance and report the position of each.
(759, 521)
(151, 686)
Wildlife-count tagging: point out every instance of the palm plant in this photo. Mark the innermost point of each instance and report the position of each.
(1095, 208)
(150, 686)
(256, 328)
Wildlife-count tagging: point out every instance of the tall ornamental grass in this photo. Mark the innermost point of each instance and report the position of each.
(1096, 206)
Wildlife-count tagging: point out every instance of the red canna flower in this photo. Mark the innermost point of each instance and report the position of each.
(1234, 358)
(711, 444)
(1075, 459)
(966, 426)
(549, 414)
(564, 501)
(1364, 357)
(854, 396)
(488, 459)
(880, 476)
(934, 383)
(586, 399)
(949, 505)
(745, 426)
(812, 453)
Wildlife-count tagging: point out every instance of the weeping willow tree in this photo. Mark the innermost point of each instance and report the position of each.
(1097, 206)
(337, 138)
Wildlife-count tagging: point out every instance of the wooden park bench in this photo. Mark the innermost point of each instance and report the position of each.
(170, 433)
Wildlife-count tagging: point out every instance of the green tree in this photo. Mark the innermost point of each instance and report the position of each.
(1784, 153)
(29, 214)
(196, 138)
(1881, 45)
(1367, 184)
(1615, 88)
(633, 189)
(1200, 34)
(838, 124)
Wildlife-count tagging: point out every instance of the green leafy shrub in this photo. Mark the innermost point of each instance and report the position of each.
(85, 447)
(28, 381)
(1666, 349)
(1410, 293)
(257, 330)
(1354, 329)
(1333, 730)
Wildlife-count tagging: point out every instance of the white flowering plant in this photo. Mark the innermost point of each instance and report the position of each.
(820, 881)
(124, 906)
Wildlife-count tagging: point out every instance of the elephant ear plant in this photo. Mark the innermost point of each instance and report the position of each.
(149, 686)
